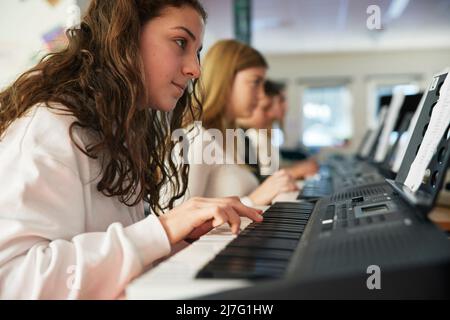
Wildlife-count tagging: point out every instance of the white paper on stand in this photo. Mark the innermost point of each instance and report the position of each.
(391, 118)
(440, 119)
(374, 133)
(406, 137)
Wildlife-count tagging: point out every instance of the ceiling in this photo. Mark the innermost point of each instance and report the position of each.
(306, 26)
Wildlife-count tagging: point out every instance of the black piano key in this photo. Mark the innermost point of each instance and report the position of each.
(296, 205)
(260, 242)
(291, 219)
(286, 215)
(272, 234)
(222, 262)
(293, 211)
(285, 220)
(249, 273)
(269, 227)
(277, 227)
(280, 226)
(262, 250)
(267, 254)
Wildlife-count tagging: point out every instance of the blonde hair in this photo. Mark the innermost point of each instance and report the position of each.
(221, 64)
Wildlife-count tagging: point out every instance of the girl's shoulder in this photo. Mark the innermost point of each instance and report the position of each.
(45, 130)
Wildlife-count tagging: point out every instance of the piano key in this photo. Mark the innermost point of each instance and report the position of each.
(251, 253)
(301, 205)
(285, 220)
(262, 227)
(251, 274)
(286, 216)
(277, 226)
(272, 234)
(222, 262)
(294, 211)
(260, 242)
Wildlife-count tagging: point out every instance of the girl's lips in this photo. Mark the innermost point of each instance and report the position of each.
(179, 87)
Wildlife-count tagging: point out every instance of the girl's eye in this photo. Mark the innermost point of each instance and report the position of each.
(181, 43)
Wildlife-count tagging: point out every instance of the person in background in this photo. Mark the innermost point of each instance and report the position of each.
(270, 114)
(83, 142)
(232, 76)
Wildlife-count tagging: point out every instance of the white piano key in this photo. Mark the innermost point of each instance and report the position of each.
(174, 278)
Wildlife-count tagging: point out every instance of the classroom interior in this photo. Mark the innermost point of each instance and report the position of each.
(337, 59)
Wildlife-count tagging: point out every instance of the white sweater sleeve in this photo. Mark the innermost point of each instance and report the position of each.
(44, 256)
(45, 250)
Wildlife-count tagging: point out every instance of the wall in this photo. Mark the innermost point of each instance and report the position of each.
(362, 69)
(22, 27)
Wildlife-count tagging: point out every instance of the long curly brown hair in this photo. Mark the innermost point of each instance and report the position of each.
(98, 77)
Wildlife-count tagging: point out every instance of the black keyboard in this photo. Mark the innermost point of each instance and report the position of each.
(263, 250)
(315, 189)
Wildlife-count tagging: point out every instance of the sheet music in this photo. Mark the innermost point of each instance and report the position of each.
(406, 137)
(374, 133)
(391, 118)
(440, 119)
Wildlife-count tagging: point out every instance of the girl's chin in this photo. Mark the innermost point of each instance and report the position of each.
(248, 114)
(165, 107)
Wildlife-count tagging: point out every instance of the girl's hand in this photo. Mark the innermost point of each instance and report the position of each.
(198, 216)
(279, 182)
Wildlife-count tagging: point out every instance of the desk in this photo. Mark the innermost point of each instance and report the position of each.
(441, 216)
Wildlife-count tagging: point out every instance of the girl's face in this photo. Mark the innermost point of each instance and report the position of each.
(261, 117)
(170, 47)
(279, 108)
(246, 90)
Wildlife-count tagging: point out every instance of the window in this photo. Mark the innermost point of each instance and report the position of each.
(327, 116)
(386, 90)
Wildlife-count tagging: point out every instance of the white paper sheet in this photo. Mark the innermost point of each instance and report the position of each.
(440, 119)
(406, 137)
(374, 133)
(391, 118)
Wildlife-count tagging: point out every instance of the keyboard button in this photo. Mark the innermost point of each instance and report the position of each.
(358, 199)
(327, 226)
(329, 213)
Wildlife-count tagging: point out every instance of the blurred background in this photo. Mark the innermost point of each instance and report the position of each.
(336, 57)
